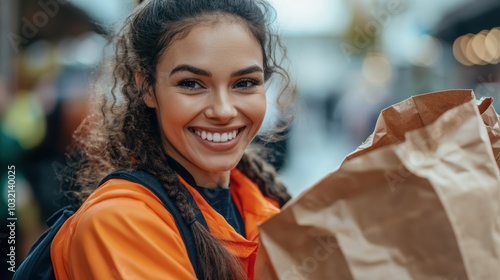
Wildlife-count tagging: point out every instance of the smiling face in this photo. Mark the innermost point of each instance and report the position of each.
(210, 98)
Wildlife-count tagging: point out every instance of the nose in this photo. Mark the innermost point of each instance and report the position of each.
(221, 107)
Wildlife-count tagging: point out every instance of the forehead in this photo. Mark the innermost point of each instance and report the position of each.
(225, 40)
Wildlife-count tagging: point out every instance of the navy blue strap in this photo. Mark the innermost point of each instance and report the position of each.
(38, 264)
(150, 182)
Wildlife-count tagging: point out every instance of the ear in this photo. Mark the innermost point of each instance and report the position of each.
(149, 96)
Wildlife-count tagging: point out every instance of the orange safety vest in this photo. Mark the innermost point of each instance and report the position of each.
(123, 231)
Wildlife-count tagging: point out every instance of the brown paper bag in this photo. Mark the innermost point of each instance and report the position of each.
(492, 122)
(420, 199)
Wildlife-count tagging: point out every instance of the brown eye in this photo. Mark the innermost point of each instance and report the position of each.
(247, 83)
(189, 84)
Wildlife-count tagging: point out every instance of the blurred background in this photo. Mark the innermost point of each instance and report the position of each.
(348, 58)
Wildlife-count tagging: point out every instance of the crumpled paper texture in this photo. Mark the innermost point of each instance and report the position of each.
(420, 199)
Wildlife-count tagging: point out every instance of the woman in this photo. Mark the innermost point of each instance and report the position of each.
(188, 98)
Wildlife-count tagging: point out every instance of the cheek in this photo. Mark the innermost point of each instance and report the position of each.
(174, 115)
(256, 109)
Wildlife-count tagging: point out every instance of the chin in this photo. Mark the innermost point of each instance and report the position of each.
(221, 165)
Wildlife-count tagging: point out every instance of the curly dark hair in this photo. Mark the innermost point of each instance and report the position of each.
(124, 133)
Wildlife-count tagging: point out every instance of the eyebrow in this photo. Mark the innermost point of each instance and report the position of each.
(248, 70)
(192, 69)
(198, 71)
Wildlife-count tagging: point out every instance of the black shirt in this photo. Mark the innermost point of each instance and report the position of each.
(219, 198)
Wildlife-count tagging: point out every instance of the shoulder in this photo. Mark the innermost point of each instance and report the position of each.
(115, 207)
(122, 225)
(120, 201)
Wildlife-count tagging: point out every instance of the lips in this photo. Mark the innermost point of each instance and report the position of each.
(217, 137)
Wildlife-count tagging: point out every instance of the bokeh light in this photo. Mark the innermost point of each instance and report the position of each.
(478, 49)
(377, 69)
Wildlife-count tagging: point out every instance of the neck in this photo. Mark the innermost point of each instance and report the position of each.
(214, 180)
(202, 179)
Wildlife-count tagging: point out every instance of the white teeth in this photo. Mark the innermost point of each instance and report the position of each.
(217, 137)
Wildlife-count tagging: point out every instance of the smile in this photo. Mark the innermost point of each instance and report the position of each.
(216, 136)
